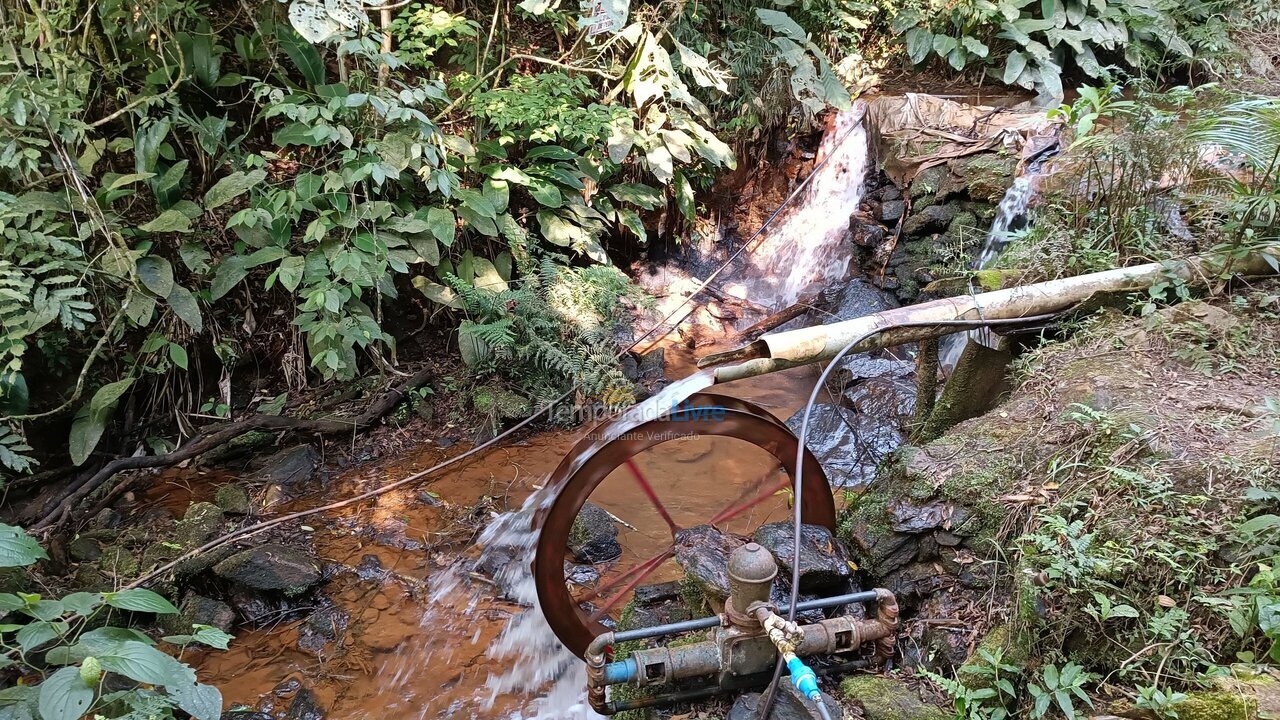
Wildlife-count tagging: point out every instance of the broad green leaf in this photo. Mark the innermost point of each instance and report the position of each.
(172, 176)
(131, 178)
(443, 225)
(143, 663)
(781, 22)
(550, 152)
(659, 160)
(64, 696)
(290, 272)
(156, 274)
(203, 702)
(231, 187)
(919, 43)
(38, 633)
(91, 420)
(487, 276)
(105, 638)
(630, 220)
(17, 549)
(546, 193)
(437, 293)
(82, 603)
(168, 221)
(178, 355)
(140, 600)
(975, 46)
(684, 198)
(227, 275)
(212, 636)
(704, 73)
(642, 196)
(304, 55)
(1013, 67)
(184, 305)
(425, 249)
(265, 255)
(944, 44)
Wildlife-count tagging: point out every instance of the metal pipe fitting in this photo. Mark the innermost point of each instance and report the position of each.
(887, 617)
(597, 657)
(751, 573)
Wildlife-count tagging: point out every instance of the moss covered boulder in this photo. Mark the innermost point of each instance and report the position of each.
(885, 698)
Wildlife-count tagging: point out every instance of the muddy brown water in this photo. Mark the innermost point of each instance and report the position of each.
(412, 651)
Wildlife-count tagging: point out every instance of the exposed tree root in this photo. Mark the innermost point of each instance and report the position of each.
(75, 493)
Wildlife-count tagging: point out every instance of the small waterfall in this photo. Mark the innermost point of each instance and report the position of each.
(805, 248)
(1011, 215)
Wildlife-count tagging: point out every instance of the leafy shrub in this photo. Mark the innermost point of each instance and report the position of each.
(72, 634)
(423, 30)
(1031, 44)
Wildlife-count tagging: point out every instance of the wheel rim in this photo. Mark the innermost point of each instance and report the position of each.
(611, 446)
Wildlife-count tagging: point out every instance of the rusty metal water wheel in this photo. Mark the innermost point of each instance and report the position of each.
(615, 444)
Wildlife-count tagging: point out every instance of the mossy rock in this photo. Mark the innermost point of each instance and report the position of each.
(988, 176)
(233, 500)
(999, 641)
(884, 698)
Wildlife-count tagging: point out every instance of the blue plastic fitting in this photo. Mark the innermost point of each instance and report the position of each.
(618, 673)
(804, 679)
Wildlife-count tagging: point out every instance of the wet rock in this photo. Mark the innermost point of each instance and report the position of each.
(881, 551)
(106, 518)
(233, 500)
(650, 365)
(891, 192)
(928, 181)
(824, 564)
(657, 592)
(593, 537)
(780, 596)
(864, 366)
(581, 574)
(202, 522)
(271, 567)
(891, 210)
(883, 698)
(370, 568)
(703, 552)
(245, 715)
(258, 610)
(322, 629)
(933, 219)
(84, 549)
(849, 300)
(850, 446)
(788, 704)
(911, 518)
(197, 609)
(885, 397)
(290, 466)
(867, 234)
(305, 706)
(985, 176)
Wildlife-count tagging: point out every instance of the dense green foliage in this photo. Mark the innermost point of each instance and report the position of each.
(83, 663)
(179, 195)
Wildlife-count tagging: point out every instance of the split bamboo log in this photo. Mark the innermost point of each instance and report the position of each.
(793, 348)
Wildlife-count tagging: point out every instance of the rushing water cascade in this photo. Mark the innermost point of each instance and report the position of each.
(806, 247)
(1010, 216)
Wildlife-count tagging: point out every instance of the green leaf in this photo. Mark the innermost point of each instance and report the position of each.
(550, 152)
(304, 55)
(212, 636)
(443, 224)
(265, 255)
(231, 187)
(156, 274)
(91, 419)
(630, 220)
(184, 305)
(172, 176)
(290, 272)
(1013, 67)
(975, 46)
(546, 193)
(203, 702)
(129, 179)
(642, 196)
(64, 696)
(944, 44)
(82, 603)
(487, 276)
(178, 355)
(140, 600)
(168, 221)
(18, 549)
(143, 663)
(781, 22)
(919, 43)
(437, 293)
(38, 633)
(228, 274)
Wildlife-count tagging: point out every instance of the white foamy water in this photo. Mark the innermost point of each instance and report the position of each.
(534, 660)
(1012, 210)
(805, 248)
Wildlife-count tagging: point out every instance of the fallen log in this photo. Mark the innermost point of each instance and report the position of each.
(899, 326)
(800, 307)
(85, 486)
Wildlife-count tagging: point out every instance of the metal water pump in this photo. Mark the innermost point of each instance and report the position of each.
(748, 637)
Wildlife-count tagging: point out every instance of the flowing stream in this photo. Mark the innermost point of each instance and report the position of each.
(1011, 215)
(435, 635)
(805, 248)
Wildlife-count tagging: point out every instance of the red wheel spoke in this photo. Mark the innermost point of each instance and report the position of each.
(653, 496)
(653, 564)
(645, 567)
(734, 510)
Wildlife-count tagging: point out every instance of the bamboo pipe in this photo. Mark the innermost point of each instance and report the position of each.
(792, 348)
